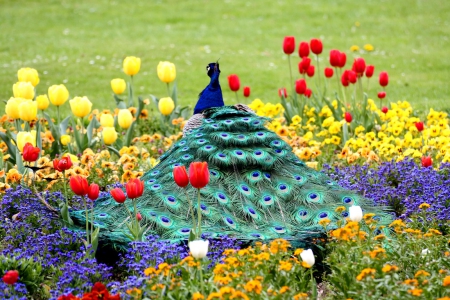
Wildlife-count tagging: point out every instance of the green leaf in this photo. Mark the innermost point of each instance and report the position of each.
(94, 242)
(192, 235)
(174, 93)
(65, 214)
(78, 138)
(63, 126)
(119, 102)
(11, 147)
(113, 150)
(129, 134)
(94, 124)
(19, 162)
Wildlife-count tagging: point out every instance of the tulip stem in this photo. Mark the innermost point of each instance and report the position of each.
(87, 221)
(290, 73)
(199, 214)
(92, 222)
(137, 229)
(200, 273)
(318, 72)
(362, 90)
(313, 285)
(191, 208)
(130, 93)
(59, 116)
(168, 90)
(237, 99)
(337, 78)
(65, 188)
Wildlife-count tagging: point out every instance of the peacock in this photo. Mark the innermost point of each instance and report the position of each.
(258, 190)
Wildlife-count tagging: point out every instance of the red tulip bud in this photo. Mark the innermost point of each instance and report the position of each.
(282, 92)
(134, 188)
(304, 64)
(384, 79)
(360, 66)
(199, 174)
(300, 86)
(79, 185)
(342, 59)
(303, 49)
(335, 56)
(30, 153)
(419, 126)
(316, 46)
(348, 117)
(328, 72)
(384, 109)
(118, 195)
(233, 82)
(11, 277)
(289, 45)
(351, 76)
(93, 191)
(308, 93)
(381, 95)
(246, 91)
(180, 176)
(427, 161)
(310, 71)
(139, 216)
(62, 164)
(344, 78)
(369, 71)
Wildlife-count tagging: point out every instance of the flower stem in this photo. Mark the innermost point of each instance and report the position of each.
(168, 90)
(92, 215)
(87, 219)
(199, 214)
(59, 116)
(191, 208)
(237, 99)
(136, 219)
(318, 72)
(201, 274)
(65, 188)
(290, 73)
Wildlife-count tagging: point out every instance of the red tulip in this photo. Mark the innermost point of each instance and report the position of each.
(233, 82)
(351, 76)
(199, 174)
(369, 71)
(427, 161)
(139, 216)
(360, 66)
(79, 185)
(342, 59)
(384, 79)
(134, 188)
(300, 86)
(303, 49)
(419, 126)
(316, 46)
(93, 191)
(246, 91)
(118, 195)
(328, 72)
(180, 176)
(310, 71)
(30, 153)
(308, 93)
(344, 78)
(62, 164)
(335, 56)
(11, 277)
(304, 64)
(289, 45)
(382, 95)
(282, 92)
(348, 117)
(384, 109)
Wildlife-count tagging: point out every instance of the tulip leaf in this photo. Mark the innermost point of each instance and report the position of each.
(129, 134)
(77, 136)
(141, 105)
(155, 99)
(130, 93)
(192, 235)
(19, 162)
(114, 150)
(90, 129)
(174, 93)
(38, 136)
(63, 126)
(11, 147)
(345, 131)
(120, 103)
(94, 242)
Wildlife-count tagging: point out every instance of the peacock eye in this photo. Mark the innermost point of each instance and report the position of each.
(207, 68)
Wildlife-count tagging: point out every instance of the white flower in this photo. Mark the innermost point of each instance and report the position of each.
(199, 248)
(356, 213)
(425, 252)
(308, 257)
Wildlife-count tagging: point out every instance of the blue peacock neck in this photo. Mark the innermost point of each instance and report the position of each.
(211, 95)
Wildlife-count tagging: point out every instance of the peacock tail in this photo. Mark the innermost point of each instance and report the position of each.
(258, 188)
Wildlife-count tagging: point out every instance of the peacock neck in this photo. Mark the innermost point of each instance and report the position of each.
(211, 96)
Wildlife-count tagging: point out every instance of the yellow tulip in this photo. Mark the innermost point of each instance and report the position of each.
(107, 120)
(65, 139)
(125, 118)
(12, 107)
(24, 137)
(109, 135)
(23, 90)
(166, 71)
(80, 106)
(28, 110)
(28, 75)
(131, 65)
(118, 86)
(73, 158)
(58, 94)
(166, 106)
(42, 102)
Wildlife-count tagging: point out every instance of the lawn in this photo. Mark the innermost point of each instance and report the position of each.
(82, 43)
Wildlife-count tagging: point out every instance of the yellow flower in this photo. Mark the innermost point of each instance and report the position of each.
(166, 106)
(296, 119)
(131, 65)
(415, 292)
(389, 268)
(109, 135)
(253, 286)
(23, 90)
(285, 266)
(166, 71)
(446, 281)
(80, 106)
(24, 137)
(354, 48)
(368, 47)
(65, 139)
(58, 94)
(324, 222)
(42, 102)
(328, 122)
(12, 107)
(197, 296)
(118, 85)
(424, 206)
(335, 140)
(125, 118)
(28, 75)
(107, 120)
(364, 273)
(421, 273)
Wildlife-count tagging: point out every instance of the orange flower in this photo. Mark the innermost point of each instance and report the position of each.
(446, 281)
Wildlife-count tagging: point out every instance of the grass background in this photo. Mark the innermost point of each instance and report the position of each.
(82, 44)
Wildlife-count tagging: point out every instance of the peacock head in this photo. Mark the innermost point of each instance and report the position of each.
(212, 68)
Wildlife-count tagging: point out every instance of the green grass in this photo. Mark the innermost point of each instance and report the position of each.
(82, 43)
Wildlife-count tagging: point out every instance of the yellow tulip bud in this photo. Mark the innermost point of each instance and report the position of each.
(166, 71)
(166, 106)
(28, 75)
(65, 139)
(125, 118)
(107, 120)
(23, 90)
(73, 158)
(109, 135)
(42, 102)
(24, 137)
(28, 110)
(12, 107)
(80, 106)
(131, 65)
(118, 86)
(58, 94)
